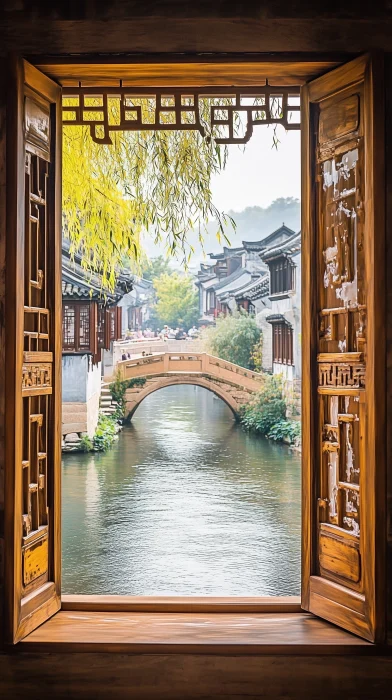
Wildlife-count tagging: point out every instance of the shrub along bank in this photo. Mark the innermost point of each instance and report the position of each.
(109, 426)
(236, 338)
(265, 414)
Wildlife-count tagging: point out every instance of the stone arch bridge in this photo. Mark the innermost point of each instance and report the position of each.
(233, 384)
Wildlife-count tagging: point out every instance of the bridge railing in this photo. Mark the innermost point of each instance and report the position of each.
(190, 363)
(138, 345)
(234, 373)
(142, 366)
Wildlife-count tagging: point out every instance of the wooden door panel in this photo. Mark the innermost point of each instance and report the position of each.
(33, 350)
(344, 353)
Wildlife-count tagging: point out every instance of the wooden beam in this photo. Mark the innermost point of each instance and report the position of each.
(177, 72)
(172, 33)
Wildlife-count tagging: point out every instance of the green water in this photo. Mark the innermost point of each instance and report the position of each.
(185, 503)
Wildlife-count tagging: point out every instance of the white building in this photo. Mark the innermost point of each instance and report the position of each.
(263, 278)
(136, 305)
(284, 263)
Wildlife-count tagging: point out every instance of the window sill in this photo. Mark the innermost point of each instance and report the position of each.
(278, 296)
(206, 633)
(180, 604)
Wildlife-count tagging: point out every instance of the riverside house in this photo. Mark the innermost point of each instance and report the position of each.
(92, 320)
(250, 278)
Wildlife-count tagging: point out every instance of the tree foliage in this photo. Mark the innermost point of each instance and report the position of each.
(177, 301)
(156, 267)
(152, 181)
(234, 339)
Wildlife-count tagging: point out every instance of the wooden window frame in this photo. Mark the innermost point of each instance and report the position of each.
(68, 347)
(112, 324)
(282, 344)
(92, 341)
(118, 322)
(101, 333)
(211, 301)
(65, 72)
(282, 276)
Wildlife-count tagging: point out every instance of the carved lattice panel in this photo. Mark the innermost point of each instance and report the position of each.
(32, 311)
(35, 515)
(341, 460)
(342, 341)
(226, 115)
(343, 348)
(37, 355)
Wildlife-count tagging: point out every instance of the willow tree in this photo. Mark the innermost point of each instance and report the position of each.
(157, 182)
(177, 303)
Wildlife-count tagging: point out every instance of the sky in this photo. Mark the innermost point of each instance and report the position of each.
(255, 175)
(259, 174)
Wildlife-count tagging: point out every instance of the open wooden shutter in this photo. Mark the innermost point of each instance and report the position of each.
(33, 350)
(118, 323)
(343, 352)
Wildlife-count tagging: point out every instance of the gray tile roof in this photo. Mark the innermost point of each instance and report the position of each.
(78, 283)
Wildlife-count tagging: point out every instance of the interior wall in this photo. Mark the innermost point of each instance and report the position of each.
(170, 26)
(191, 26)
(193, 676)
(2, 334)
(388, 164)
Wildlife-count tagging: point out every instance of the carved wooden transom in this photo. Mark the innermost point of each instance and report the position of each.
(226, 115)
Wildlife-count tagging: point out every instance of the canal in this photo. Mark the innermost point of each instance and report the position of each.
(185, 503)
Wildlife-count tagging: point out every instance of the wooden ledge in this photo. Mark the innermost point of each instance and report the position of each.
(193, 633)
(181, 604)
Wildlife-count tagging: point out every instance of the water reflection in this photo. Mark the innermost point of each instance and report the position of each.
(186, 503)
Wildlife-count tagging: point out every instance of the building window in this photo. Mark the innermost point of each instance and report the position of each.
(211, 301)
(282, 345)
(76, 327)
(114, 323)
(84, 327)
(68, 327)
(282, 276)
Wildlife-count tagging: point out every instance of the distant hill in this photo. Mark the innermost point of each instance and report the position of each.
(252, 224)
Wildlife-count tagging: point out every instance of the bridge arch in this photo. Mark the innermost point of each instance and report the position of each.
(134, 399)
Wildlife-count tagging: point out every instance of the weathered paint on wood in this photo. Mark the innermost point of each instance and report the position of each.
(344, 348)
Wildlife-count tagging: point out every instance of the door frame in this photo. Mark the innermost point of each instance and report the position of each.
(185, 71)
